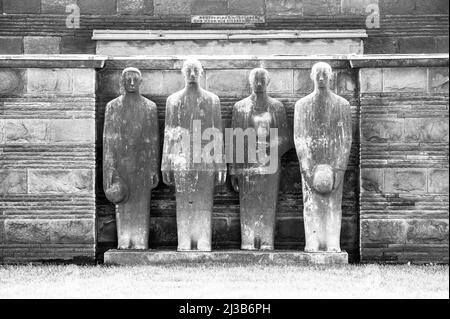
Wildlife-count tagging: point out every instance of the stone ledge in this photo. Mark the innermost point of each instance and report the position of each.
(149, 257)
(398, 60)
(52, 61)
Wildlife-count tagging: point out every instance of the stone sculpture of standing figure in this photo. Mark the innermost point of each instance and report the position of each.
(131, 153)
(187, 161)
(323, 139)
(257, 182)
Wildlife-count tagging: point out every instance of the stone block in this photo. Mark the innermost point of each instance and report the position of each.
(11, 45)
(410, 45)
(56, 6)
(21, 6)
(442, 44)
(404, 80)
(71, 131)
(431, 7)
(172, 7)
(242, 7)
(218, 7)
(372, 180)
(163, 83)
(321, 7)
(427, 231)
(405, 180)
(397, 7)
(381, 45)
(22, 131)
(438, 80)
(346, 82)
(32, 231)
(438, 181)
(284, 8)
(41, 45)
(12, 82)
(83, 81)
(13, 182)
(151, 257)
(77, 45)
(426, 130)
(281, 81)
(383, 231)
(371, 80)
(289, 230)
(109, 83)
(75, 182)
(302, 81)
(97, 7)
(2, 132)
(49, 81)
(135, 7)
(356, 7)
(228, 82)
(382, 130)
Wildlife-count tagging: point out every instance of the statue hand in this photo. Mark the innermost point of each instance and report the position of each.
(168, 178)
(155, 180)
(235, 183)
(221, 177)
(117, 192)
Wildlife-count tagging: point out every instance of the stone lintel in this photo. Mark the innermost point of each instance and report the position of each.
(149, 257)
(52, 61)
(399, 60)
(255, 35)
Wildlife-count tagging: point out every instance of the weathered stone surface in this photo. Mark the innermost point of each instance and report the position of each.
(424, 44)
(109, 83)
(116, 257)
(426, 130)
(404, 79)
(163, 83)
(21, 6)
(77, 45)
(226, 230)
(79, 181)
(438, 80)
(49, 81)
(284, 7)
(11, 45)
(228, 82)
(56, 6)
(29, 231)
(372, 180)
(383, 231)
(345, 82)
(302, 81)
(371, 80)
(84, 81)
(438, 181)
(427, 231)
(49, 131)
(281, 81)
(172, 7)
(252, 7)
(106, 229)
(2, 132)
(413, 7)
(408, 180)
(100, 7)
(290, 230)
(199, 7)
(163, 231)
(321, 7)
(382, 130)
(136, 7)
(41, 45)
(356, 6)
(13, 182)
(12, 82)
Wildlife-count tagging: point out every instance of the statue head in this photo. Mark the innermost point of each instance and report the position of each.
(321, 74)
(192, 71)
(131, 80)
(259, 80)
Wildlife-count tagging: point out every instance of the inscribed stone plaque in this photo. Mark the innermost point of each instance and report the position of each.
(227, 19)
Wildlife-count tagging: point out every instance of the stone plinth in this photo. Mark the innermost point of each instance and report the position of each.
(150, 257)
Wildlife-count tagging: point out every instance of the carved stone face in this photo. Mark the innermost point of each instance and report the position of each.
(192, 71)
(131, 81)
(322, 75)
(259, 80)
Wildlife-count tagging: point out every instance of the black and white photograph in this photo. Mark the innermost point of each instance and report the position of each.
(224, 156)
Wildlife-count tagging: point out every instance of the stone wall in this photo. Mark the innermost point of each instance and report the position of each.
(404, 162)
(39, 26)
(228, 78)
(47, 158)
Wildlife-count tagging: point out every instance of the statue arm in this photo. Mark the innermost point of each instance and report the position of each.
(153, 144)
(166, 163)
(302, 146)
(285, 140)
(344, 149)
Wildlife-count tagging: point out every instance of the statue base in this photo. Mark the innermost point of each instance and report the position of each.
(282, 257)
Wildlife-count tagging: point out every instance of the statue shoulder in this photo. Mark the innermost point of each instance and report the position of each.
(276, 104)
(243, 105)
(341, 101)
(175, 97)
(211, 96)
(114, 104)
(304, 101)
(149, 103)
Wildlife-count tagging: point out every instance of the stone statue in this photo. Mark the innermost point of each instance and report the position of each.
(323, 138)
(131, 152)
(186, 159)
(257, 183)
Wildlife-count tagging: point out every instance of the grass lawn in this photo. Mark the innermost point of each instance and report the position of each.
(213, 280)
